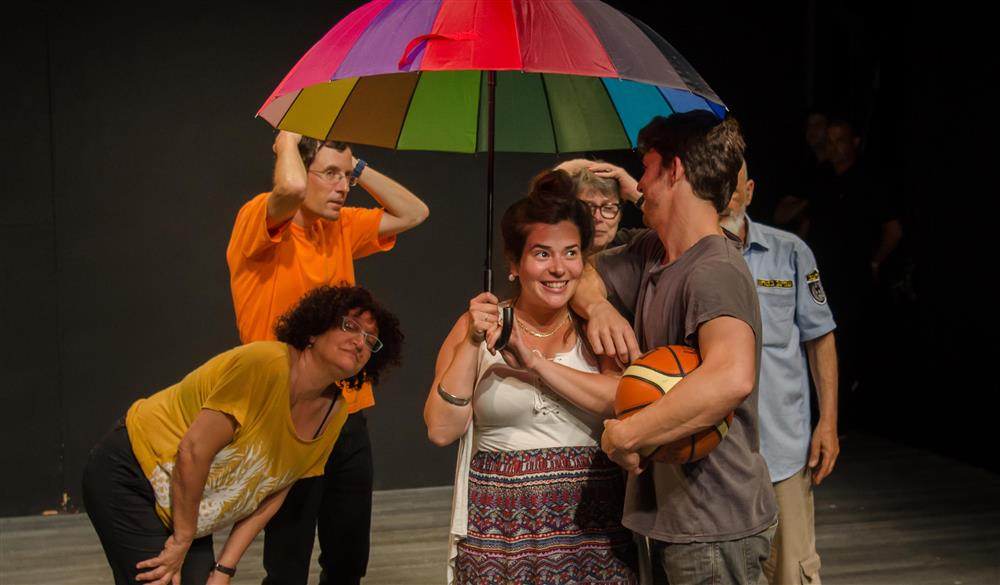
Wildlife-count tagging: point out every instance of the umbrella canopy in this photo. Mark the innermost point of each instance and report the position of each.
(571, 76)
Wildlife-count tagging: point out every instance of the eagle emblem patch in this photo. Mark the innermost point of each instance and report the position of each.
(816, 287)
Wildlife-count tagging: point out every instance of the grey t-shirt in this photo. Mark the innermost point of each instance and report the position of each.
(728, 494)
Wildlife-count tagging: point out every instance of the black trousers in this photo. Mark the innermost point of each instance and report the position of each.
(122, 508)
(340, 502)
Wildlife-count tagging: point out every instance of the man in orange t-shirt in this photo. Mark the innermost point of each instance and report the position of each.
(284, 244)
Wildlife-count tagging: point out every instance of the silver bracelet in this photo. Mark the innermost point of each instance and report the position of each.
(452, 399)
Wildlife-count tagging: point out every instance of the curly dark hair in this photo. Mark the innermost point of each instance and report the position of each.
(552, 199)
(710, 149)
(308, 147)
(322, 309)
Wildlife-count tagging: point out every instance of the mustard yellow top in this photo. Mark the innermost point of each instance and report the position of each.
(251, 384)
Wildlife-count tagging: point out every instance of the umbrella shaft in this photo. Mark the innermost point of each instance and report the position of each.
(488, 268)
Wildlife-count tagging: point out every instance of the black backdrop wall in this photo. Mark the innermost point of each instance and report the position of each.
(129, 144)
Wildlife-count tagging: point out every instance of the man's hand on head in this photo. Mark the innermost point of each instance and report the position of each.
(285, 137)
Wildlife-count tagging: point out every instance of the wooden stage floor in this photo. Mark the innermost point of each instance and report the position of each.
(888, 515)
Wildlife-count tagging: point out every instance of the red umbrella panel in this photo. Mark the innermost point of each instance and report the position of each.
(571, 76)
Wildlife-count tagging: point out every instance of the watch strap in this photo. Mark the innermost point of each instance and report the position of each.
(224, 569)
(358, 169)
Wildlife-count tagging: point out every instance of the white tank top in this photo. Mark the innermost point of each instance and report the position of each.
(515, 410)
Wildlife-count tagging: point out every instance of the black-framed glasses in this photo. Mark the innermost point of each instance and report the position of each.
(608, 210)
(351, 326)
(331, 176)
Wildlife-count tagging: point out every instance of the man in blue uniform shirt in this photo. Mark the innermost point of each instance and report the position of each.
(798, 330)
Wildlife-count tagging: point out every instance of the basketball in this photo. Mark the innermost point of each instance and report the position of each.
(649, 378)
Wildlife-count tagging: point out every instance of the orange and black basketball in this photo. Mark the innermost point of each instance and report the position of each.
(648, 379)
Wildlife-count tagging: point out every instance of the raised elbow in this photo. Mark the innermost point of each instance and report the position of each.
(289, 188)
(413, 217)
(420, 215)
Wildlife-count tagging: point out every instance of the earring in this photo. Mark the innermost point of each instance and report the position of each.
(511, 277)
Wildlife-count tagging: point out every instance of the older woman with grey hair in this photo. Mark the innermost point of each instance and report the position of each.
(603, 186)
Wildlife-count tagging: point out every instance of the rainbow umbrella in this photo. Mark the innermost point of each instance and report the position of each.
(487, 75)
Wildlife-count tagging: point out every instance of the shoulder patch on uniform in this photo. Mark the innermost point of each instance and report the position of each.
(816, 287)
(771, 283)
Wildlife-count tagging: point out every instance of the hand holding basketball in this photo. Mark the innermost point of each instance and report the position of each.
(648, 379)
(612, 446)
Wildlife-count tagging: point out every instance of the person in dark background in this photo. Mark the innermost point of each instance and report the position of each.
(815, 135)
(853, 226)
(851, 188)
(790, 210)
(285, 243)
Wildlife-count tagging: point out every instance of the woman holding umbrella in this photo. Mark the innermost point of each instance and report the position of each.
(223, 445)
(530, 416)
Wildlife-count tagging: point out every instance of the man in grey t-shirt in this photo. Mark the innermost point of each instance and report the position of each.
(711, 520)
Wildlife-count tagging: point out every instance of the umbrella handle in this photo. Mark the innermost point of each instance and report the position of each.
(409, 52)
(506, 326)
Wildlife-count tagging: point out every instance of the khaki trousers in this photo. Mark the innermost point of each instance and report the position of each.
(793, 559)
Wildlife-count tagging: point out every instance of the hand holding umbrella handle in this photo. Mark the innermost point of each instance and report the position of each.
(506, 326)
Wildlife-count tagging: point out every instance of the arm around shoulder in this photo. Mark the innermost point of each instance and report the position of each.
(608, 333)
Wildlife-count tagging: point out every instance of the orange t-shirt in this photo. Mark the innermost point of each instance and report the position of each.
(269, 271)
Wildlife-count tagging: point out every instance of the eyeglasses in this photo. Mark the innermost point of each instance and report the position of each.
(351, 326)
(330, 176)
(608, 211)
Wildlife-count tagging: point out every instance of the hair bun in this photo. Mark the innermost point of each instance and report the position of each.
(555, 183)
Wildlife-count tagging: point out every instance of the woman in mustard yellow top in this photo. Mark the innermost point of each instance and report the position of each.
(223, 446)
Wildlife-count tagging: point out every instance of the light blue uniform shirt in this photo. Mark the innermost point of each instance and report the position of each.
(793, 310)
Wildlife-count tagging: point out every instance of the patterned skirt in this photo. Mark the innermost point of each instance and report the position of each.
(549, 516)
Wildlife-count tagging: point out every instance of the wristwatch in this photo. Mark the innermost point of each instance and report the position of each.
(356, 173)
(224, 569)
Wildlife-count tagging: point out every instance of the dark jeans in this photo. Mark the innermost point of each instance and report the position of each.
(122, 508)
(340, 502)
